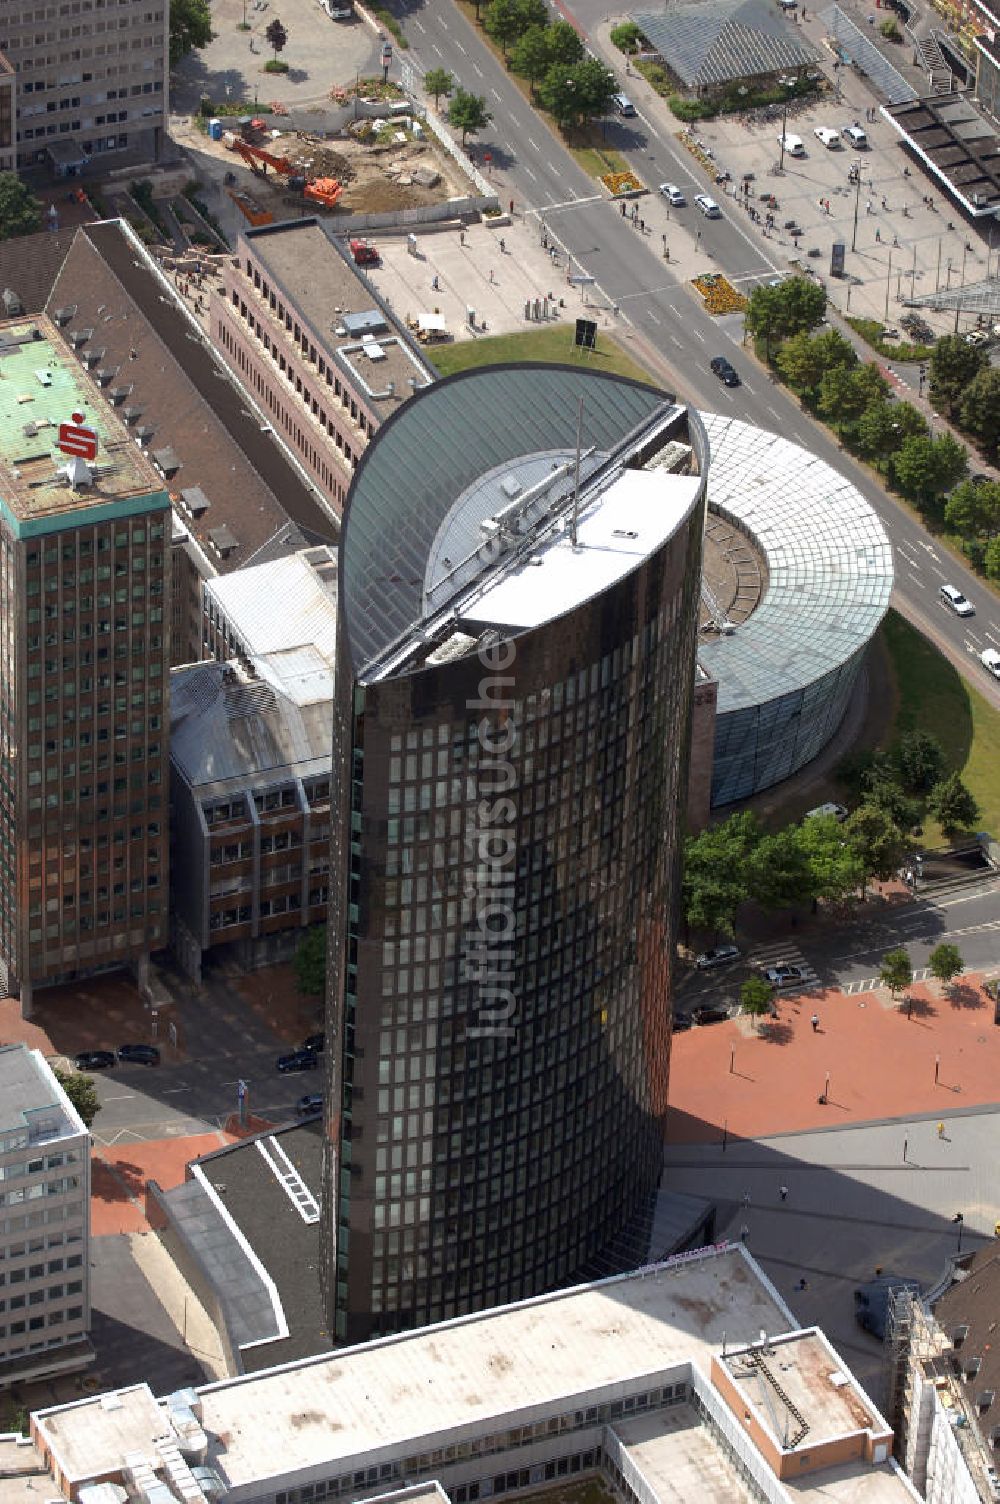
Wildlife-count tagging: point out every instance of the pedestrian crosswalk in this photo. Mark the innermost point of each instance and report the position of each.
(870, 984)
(784, 953)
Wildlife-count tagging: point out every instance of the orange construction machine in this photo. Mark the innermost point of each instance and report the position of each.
(323, 191)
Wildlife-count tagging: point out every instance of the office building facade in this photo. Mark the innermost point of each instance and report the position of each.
(44, 1223)
(515, 676)
(84, 653)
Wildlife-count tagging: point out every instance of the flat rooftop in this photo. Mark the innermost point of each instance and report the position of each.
(329, 293)
(398, 1390)
(957, 142)
(41, 387)
(802, 1391)
(30, 1096)
(677, 1453)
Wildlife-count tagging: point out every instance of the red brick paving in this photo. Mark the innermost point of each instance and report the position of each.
(98, 1014)
(881, 1064)
(119, 1175)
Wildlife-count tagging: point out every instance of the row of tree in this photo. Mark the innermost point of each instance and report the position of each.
(737, 860)
(896, 972)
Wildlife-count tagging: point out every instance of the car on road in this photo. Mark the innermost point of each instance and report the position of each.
(315, 1042)
(829, 137)
(94, 1060)
(623, 104)
(307, 1106)
(990, 659)
(298, 1060)
(956, 601)
(138, 1054)
(784, 976)
(673, 195)
(794, 145)
(720, 955)
(708, 206)
(838, 811)
(715, 1014)
(726, 373)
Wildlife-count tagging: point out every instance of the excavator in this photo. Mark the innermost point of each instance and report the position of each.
(323, 191)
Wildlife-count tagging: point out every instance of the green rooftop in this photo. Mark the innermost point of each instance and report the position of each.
(42, 386)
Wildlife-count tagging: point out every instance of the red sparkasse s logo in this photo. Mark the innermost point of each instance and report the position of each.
(77, 439)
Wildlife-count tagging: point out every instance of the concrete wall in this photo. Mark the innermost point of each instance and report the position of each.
(192, 1269)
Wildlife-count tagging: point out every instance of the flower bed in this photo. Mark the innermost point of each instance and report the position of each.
(719, 294)
(620, 183)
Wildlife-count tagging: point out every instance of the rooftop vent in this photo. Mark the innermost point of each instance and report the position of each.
(144, 433)
(12, 303)
(131, 413)
(78, 338)
(958, 1336)
(62, 316)
(104, 376)
(511, 486)
(223, 540)
(194, 501)
(93, 358)
(972, 1367)
(119, 393)
(984, 1399)
(44, 377)
(167, 460)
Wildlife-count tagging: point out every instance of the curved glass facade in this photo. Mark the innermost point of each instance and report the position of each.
(785, 676)
(501, 950)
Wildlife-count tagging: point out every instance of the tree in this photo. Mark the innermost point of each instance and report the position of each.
(885, 794)
(834, 865)
(81, 1092)
(625, 36)
(896, 971)
(190, 27)
(716, 873)
(438, 81)
(991, 559)
(954, 366)
(847, 392)
(20, 211)
(921, 761)
(310, 962)
(530, 57)
(502, 22)
(804, 359)
(973, 509)
(277, 36)
(876, 840)
(795, 306)
(886, 426)
(576, 94)
(945, 962)
(925, 469)
(468, 113)
(979, 413)
(564, 44)
(780, 876)
(756, 997)
(953, 805)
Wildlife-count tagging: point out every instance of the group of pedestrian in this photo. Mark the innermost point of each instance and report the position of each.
(824, 204)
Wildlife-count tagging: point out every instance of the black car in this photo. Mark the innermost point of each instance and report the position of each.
(315, 1042)
(714, 1015)
(298, 1060)
(138, 1054)
(726, 373)
(681, 1021)
(310, 1104)
(94, 1060)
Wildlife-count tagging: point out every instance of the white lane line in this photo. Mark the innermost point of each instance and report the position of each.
(553, 168)
(419, 24)
(128, 1096)
(529, 172)
(773, 412)
(532, 144)
(442, 22)
(698, 335)
(939, 572)
(916, 578)
(652, 315)
(461, 49)
(437, 49)
(496, 93)
(574, 203)
(478, 69)
(748, 388)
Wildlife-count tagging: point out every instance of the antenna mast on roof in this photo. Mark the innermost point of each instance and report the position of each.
(576, 479)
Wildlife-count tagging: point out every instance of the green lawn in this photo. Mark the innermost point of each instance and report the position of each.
(934, 697)
(552, 343)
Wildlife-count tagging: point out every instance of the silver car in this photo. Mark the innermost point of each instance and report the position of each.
(708, 206)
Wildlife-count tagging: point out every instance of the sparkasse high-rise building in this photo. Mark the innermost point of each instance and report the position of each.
(84, 654)
(519, 582)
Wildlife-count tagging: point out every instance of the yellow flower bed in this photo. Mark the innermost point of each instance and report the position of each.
(618, 183)
(719, 294)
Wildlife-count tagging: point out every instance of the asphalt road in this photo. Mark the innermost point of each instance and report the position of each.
(628, 268)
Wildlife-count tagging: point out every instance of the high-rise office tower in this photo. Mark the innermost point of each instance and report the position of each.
(519, 582)
(84, 649)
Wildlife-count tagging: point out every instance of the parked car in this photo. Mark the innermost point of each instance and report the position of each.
(721, 955)
(838, 811)
(298, 1060)
(682, 1021)
(726, 373)
(990, 659)
(794, 145)
(138, 1054)
(829, 137)
(708, 206)
(310, 1104)
(94, 1060)
(673, 195)
(710, 1015)
(315, 1042)
(856, 136)
(955, 601)
(783, 976)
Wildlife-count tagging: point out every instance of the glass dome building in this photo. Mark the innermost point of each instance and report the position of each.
(519, 581)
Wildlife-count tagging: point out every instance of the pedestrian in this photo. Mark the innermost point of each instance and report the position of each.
(503, 246)
(884, 204)
(802, 1284)
(512, 206)
(815, 1023)
(434, 283)
(906, 1146)
(895, 243)
(940, 1130)
(642, 226)
(492, 278)
(746, 1198)
(461, 237)
(871, 207)
(878, 235)
(622, 206)
(783, 1192)
(666, 253)
(744, 1233)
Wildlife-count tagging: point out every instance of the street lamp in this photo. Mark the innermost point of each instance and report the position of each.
(959, 1221)
(923, 377)
(888, 285)
(784, 128)
(857, 202)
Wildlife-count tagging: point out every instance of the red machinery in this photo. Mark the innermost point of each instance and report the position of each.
(323, 191)
(364, 253)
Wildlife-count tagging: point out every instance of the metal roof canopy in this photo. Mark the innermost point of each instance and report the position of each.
(713, 42)
(975, 297)
(957, 144)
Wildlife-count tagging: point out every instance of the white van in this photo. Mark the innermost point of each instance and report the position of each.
(794, 145)
(856, 137)
(990, 659)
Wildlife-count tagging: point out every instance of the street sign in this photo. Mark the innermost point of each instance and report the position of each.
(241, 1089)
(77, 439)
(586, 334)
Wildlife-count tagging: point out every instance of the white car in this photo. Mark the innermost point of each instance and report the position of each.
(990, 659)
(822, 811)
(829, 137)
(956, 601)
(673, 194)
(708, 206)
(794, 145)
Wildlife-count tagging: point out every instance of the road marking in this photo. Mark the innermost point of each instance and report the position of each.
(927, 547)
(698, 335)
(572, 203)
(419, 25)
(442, 22)
(938, 572)
(652, 315)
(748, 388)
(773, 413)
(128, 1096)
(531, 143)
(915, 578)
(478, 69)
(462, 49)
(437, 49)
(496, 93)
(529, 172)
(553, 168)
